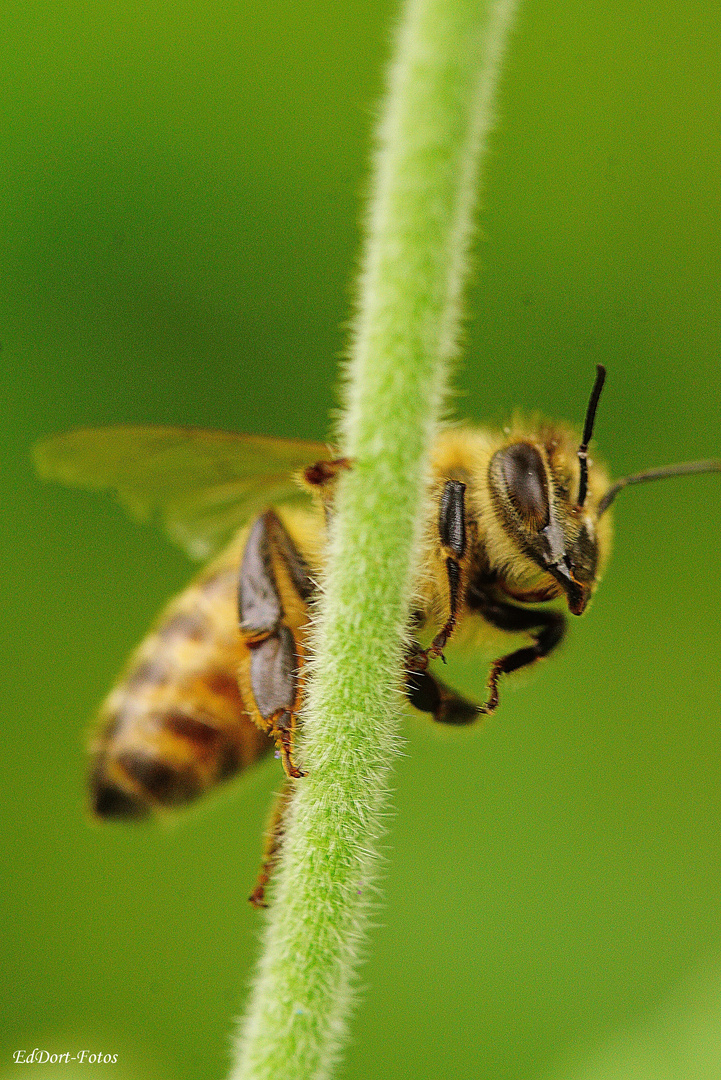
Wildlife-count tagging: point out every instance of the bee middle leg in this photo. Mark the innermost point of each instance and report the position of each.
(274, 588)
(323, 473)
(322, 478)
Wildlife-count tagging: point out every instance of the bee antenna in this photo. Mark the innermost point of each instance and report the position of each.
(684, 468)
(588, 432)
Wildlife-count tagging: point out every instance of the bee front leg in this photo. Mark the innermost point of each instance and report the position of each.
(546, 630)
(428, 694)
(274, 588)
(452, 532)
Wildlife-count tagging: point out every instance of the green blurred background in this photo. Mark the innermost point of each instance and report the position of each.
(181, 191)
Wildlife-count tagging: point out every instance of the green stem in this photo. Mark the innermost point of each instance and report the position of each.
(437, 116)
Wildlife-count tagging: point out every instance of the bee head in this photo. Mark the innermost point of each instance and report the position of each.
(532, 498)
(543, 508)
(553, 509)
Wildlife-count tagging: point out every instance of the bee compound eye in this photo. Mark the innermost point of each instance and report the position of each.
(523, 477)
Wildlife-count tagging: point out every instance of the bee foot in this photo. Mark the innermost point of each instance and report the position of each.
(257, 897)
(293, 771)
(324, 472)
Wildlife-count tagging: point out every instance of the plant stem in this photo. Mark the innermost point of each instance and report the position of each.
(437, 115)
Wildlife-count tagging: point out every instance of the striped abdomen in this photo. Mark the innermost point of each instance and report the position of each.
(176, 724)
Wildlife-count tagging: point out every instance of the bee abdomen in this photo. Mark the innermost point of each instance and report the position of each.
(176, 724)
(168, 756)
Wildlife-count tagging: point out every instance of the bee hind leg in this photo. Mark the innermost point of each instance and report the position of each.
(272, 842)
(274, 588)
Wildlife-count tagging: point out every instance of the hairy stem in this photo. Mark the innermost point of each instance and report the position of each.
(436, 118)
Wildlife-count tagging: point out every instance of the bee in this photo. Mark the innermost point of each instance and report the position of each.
(516, 520)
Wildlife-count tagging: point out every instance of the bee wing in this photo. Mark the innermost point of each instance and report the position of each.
(202, 484)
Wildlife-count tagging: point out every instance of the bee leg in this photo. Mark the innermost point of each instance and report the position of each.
(324, 473)
(274, 588)
(272, 841)
(321, 478)
(428, 694)
(546, 629)
(454, 590)
(452, 532)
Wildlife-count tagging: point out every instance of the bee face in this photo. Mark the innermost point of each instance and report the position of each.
(533, 493)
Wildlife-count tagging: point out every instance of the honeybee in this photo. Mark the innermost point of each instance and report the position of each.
(516, 520)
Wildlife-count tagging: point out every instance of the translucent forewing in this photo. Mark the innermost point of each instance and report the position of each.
(203, 485)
